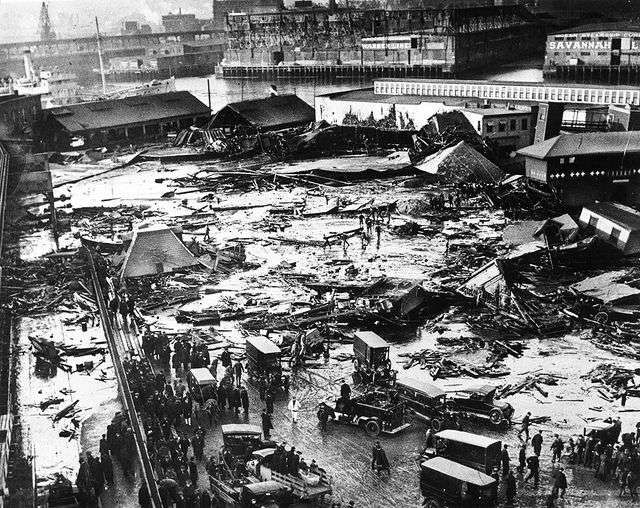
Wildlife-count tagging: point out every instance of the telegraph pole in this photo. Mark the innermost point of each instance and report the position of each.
(104, 79)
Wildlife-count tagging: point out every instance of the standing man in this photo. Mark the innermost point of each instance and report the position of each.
(379, 461)
(237, 371)
(556, 448)
(536, 442)
(525, 427)
(225, 358)
(268, 399)
(533, 463)
(294, 407)
(510, 488)
(244, 400)
(267, 425)
(522, 458)
(559, 484)
(504, 458)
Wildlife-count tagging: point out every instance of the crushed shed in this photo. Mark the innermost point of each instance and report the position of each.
(155, 249)
(605, 287)
(459, 162)
(615, 223)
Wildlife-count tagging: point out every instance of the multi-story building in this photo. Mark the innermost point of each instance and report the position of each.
(608, 52)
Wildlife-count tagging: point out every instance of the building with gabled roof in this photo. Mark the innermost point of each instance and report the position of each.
(269, 114)
(115, 120)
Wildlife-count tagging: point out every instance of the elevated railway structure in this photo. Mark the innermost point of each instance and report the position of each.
(118, 350)
(510, 91)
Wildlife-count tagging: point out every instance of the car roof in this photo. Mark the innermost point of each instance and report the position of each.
(264, 452)
(263, 344)
(459, 471)
(598, 425)
(372, 339)
(467, 437)
(481, 389)
(202, 375)
(241, 428)
(428, 389)
(264, 487)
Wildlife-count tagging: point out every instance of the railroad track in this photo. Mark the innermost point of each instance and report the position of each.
(116, 350)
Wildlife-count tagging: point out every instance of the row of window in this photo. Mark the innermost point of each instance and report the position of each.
(584, 53)
(544, 93)
(502, 125)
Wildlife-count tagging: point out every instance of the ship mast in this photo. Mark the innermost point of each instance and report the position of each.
(104, 79)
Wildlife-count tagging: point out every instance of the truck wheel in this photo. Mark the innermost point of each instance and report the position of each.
(436, 425)
(372, 427)
(495, 416)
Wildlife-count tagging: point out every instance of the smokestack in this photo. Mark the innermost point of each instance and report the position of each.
(28, 64)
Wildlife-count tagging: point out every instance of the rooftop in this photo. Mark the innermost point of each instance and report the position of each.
(114, 113)
(270, 112)
(589, 143)
(498, 111)
(458, 471)
(467, 437)
(623, 216)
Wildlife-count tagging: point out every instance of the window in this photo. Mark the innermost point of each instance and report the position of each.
(615, 234)
(502, 126)
(585, 53)
(603, 38)
(572, 160)
(524, 124)
(513, 124)
(479, 126)
(490, 128)
(593, 222)
(602, 53)
(568, 53)
(557, 53)
(572, 38)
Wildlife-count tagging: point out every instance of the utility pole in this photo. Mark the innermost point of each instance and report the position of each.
(104, 79)
(209, 92)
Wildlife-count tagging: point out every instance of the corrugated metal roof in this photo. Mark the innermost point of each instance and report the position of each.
(118, 113)
(588, 143)
(270, 112)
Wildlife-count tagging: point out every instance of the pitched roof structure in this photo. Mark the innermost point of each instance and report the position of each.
(625, 217)
(588, 143)
(128, 112)
(154, 250)
(270, 113)
(458, 162)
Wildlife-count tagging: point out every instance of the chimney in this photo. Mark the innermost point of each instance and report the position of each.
(28, 65)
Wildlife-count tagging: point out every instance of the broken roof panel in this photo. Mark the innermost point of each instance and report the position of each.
(155, 250)
(460, 161)
(605, 287)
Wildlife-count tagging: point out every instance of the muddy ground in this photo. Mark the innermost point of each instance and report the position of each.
(345, 452)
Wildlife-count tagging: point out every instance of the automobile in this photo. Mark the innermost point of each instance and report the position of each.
(371, 350)
(201, 383)
(239, 439)
(478, 402)
(426, 402)
(264, 360)
(606, 430)
(478, 452)
(307, 486)
(374, 412)
(445, 483)
(372, 364)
